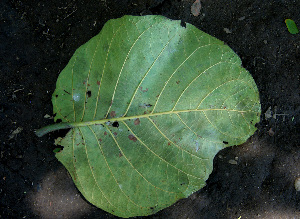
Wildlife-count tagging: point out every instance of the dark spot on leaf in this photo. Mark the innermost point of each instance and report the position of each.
(98, 82)
(56, 95)
(143, 90)
(145, 105)
(115, 124)
(112, 113)
(169, 143)
(137, 122)
(67, 92)
(105, 133)
(151, 208)
(100, 139)
(131, 137)
(89, 93)
(177, 82)
(120, 154)
(225, 142)
(115, 133)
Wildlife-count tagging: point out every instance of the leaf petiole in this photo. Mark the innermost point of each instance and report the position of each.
(50, 128)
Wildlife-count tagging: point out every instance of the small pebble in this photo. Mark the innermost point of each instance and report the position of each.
(232, 162)
(227, 30)
(297, 184)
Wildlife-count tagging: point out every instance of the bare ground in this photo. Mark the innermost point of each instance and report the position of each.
(39, 37)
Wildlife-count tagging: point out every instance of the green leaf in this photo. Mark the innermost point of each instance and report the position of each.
(150, 104)
(292, 27)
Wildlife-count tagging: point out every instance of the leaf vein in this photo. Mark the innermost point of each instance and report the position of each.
(193, 155)
(174, 73)
(147, 74)
(162, 159)
(92, 172)
(132, 164)
(123, 67)
(104, 67)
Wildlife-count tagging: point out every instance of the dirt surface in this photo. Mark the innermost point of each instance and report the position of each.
(36, 42)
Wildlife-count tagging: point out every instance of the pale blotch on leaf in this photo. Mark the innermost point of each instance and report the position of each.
(76, 97)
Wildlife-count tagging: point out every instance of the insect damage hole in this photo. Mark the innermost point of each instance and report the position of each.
(89, 93)
(183, 23)
(115, 124)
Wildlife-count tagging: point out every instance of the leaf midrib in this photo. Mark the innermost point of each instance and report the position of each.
(102, 121)
(66, 125)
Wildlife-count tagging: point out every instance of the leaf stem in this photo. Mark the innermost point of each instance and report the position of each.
(50, 128)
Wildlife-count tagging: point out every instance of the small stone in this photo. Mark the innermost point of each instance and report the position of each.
(234, 162)
(242, 18)
(227, 30)
(297, 184)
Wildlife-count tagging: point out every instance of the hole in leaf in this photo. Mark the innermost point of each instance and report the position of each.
(115, 124)
(183, 24)
(89, 93)
(225, 142)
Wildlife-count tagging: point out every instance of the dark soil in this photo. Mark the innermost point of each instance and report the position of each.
(36, 42)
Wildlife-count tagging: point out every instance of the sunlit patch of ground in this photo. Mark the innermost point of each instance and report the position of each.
(57, 197)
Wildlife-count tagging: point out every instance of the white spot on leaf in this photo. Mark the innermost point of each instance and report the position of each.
(76, 97)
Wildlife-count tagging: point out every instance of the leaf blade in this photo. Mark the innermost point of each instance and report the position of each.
(148, 120)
